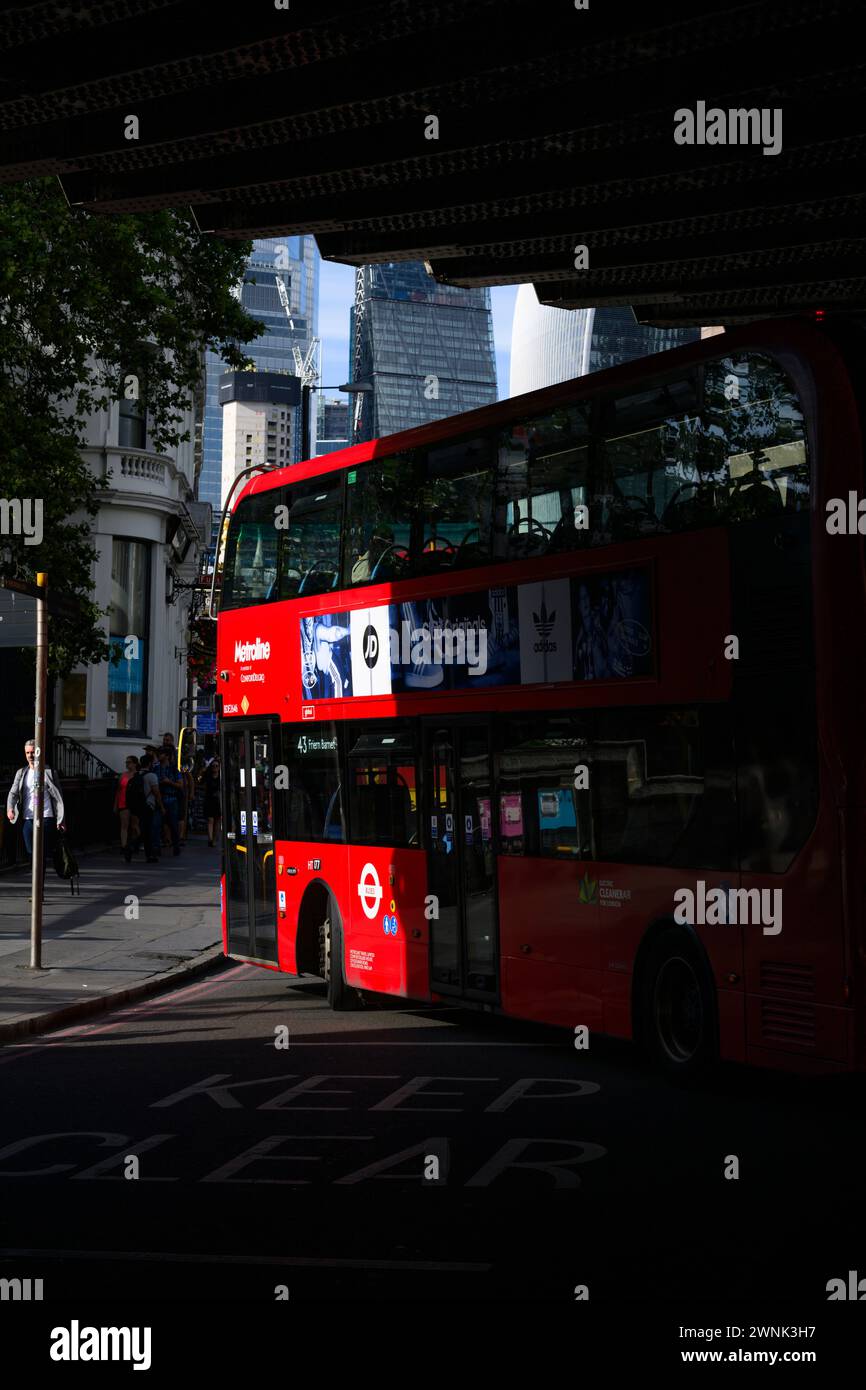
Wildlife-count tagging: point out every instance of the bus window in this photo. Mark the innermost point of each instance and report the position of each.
(250, 571)
(541, 809)
(753, 405)
(723, 446)
(311, 804)
(542, 479)
(653, 441)
(420, 513)
(382, 779)
(542, 497)
(310, 556)
(663, 787)
(455, 506)
(777, 774)
(377, 530)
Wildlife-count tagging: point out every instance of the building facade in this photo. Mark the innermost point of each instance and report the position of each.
(550, 345)
(426, 348)
(149, 535)
(332, 430)
(333, 418)
(295, 259)
(260, 411)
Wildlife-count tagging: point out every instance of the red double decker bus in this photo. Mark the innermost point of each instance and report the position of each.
(555, 708)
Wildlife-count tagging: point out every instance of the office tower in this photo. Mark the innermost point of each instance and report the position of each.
(550, 345)
(426, 348)
(295, 260)
(259, 421)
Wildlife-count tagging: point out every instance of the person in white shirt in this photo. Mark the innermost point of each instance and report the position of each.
(22, 792)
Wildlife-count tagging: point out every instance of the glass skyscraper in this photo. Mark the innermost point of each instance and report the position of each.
(426, 348)
(550, 345)
(296, 260)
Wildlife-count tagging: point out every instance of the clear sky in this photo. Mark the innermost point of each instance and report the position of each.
(336, 296)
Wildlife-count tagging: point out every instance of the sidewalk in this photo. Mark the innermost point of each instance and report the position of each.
(92, 955)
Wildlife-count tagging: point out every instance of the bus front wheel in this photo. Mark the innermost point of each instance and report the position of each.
(679, 1026)
(340, 995)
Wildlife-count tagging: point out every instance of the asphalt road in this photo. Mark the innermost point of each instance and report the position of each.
(180, 1150)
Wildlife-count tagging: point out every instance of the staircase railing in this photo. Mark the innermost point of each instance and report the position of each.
(71, 759)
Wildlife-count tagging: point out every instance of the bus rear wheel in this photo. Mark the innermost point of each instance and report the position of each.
(679, 1025)
(340, 995)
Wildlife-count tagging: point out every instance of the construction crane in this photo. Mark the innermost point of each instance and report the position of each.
(305, 367)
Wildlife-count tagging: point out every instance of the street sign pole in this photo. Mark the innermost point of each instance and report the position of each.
(39, 773)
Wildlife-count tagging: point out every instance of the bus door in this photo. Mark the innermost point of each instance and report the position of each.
(464, 949)
(247, 774)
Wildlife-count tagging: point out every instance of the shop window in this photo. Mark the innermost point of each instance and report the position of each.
(74, 702)
(128, 635)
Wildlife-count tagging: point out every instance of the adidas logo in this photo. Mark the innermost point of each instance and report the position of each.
(544, 624)
(544, 621)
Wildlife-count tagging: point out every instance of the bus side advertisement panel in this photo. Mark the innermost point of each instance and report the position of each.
(598, 626)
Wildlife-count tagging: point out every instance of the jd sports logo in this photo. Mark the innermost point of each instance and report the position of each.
(370, 645)
(544, 622)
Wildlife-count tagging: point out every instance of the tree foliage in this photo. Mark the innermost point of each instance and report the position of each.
(85, 302)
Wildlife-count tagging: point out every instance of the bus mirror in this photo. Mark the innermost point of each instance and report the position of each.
(186, 746)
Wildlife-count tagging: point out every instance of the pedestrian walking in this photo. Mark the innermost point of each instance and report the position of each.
(210, 780)
(137, 805)
(171, 789)
(127, 814)
(22, 793)
(152, 811)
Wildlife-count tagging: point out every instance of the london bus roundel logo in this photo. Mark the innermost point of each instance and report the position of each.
(370, 891)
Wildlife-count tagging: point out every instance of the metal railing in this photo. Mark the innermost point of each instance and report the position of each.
(72, 759)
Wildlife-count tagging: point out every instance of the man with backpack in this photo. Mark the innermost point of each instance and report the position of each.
(22, 793)
(171, 789)
(135, 804)
(152, 811)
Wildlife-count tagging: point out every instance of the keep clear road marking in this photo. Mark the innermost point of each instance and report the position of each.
(299, 1261)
